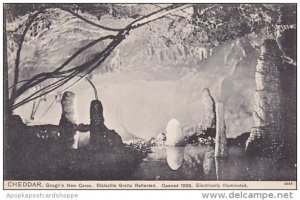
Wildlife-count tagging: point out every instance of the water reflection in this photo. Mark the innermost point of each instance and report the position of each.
(197, 162)
(175, 157)
(208, 162)
(220, 168)
(201, 158)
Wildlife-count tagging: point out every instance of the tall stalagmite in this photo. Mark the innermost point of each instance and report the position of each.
(209, 113)
(68, 120)
(100, 135)
(265, 139)
(220, 141)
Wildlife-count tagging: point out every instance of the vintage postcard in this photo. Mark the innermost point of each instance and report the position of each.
(150, 96)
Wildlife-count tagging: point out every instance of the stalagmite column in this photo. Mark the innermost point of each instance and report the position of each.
(97, 127)
(68, 120)
(209, 113)
(96, 117)
(267, 110)
(174, 136)
(221, 150)
(267, 78)
(100, 135)
(220, 141)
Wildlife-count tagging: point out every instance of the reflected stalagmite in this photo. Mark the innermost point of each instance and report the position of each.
(220, 168)
(175, 157)
(209, 162)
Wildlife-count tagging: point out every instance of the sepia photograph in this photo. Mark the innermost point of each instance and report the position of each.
(163, 96)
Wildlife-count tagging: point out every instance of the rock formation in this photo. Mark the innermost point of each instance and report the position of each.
(268, 91)
(265, 138)
(286, 37)
(220, 141)
(17, 132)
(100, 135)
(286, 33)
(161, 139)
(68, 120)
(174, 134)
(208, 124)
(96, 119)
